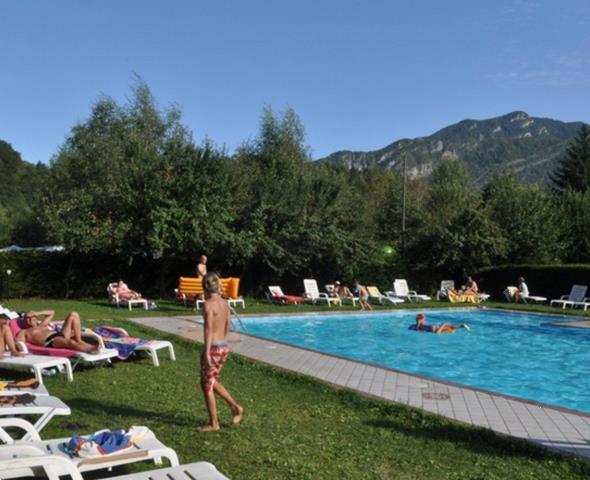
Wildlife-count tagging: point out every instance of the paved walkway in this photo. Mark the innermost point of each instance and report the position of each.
(553, 428)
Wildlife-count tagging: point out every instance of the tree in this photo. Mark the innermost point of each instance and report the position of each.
(527, 218)
(574, 210)
(458, 235)
(573, 171)
(130, 181)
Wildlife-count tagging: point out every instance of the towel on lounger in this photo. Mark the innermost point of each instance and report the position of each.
(104, 442)
(125, 345)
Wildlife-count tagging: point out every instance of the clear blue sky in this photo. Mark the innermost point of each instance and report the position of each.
(360, 74)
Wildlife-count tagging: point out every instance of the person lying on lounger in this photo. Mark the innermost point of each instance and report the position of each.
(42, 334)
(422, 326)
(6, 338)
(125, 293)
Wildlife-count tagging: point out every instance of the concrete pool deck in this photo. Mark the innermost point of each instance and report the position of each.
(554, 428)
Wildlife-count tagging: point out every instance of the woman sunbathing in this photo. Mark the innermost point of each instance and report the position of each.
(125, 293)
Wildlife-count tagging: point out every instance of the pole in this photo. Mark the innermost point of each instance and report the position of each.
(403, 252)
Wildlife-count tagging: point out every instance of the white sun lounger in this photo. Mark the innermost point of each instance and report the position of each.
(147, 448)
(36, 364)
(40, 390)
(150, 348)
(576, 298)
(375, 294)
(45, 406)
(401, 290)
(312, 293)
(52, 466)
(331, 291)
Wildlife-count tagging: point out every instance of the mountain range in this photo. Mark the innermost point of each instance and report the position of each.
(528, 147)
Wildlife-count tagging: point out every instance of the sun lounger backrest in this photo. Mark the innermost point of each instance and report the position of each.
(276, 291)
(311, 288)
(374, 292)
(446, 285)
(194, 286)
(578, 293)
(400, 287)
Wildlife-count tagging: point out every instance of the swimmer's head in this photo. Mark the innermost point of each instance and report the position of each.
(420, 318)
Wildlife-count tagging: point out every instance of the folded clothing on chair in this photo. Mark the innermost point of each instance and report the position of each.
(104, 442)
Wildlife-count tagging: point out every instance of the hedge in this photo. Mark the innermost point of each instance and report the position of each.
(549, 281)
(62, 275)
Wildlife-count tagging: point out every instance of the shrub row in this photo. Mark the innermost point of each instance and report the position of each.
(549, 281)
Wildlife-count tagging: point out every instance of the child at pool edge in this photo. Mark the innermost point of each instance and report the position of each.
(422, 326)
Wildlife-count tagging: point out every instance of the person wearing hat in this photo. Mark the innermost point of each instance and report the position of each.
(422, 326)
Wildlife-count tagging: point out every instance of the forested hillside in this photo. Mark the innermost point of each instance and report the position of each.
(527, 147)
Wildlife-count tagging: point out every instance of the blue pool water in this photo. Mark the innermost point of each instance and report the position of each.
(510, 353)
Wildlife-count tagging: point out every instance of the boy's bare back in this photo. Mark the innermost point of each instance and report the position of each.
(217, 317)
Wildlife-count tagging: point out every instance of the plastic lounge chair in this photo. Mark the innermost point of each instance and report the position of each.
(576, 297)
(104, 355)
(313, 294)
(17, 387)
(445, 286)
(375, 294)
(46, 406)
(276, 294)
(116, 299)
(401, 290)
(36, 364)
(119, 339)
(331, 291)
(146, 448)
(54, 466)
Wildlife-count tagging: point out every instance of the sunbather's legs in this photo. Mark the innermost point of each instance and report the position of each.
(71, 335)
(7, 341)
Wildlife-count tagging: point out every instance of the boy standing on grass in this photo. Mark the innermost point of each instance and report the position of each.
(217, 322)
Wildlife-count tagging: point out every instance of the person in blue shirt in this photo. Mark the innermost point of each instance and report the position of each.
(422, 326)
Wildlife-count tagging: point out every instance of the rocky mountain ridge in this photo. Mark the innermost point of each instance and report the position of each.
(529, 147)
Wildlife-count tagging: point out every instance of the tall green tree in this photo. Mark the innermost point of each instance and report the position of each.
(130, 181)
(527, 218)
(574, 210)
(573, 171)
(458, 235)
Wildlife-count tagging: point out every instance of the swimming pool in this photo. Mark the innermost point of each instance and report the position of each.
(510, 353)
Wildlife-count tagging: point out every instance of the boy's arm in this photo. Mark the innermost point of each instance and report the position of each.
(207, 326)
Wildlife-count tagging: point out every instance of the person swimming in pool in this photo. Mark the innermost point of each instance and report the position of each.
(422, 326)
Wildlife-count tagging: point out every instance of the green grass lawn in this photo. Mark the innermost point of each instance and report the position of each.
(294, 427)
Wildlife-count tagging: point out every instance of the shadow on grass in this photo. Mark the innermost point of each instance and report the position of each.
(474, 439)
(98, 408)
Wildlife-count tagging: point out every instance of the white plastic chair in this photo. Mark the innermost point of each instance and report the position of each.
(146, 448)
(576, 298)
(313, 294)
(445, 286)
(401, 290)
(45, 406)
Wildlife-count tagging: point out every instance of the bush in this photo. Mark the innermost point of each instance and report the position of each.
(61, 275)
(549, 281)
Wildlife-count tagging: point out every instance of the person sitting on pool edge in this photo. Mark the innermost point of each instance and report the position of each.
(422, 326)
